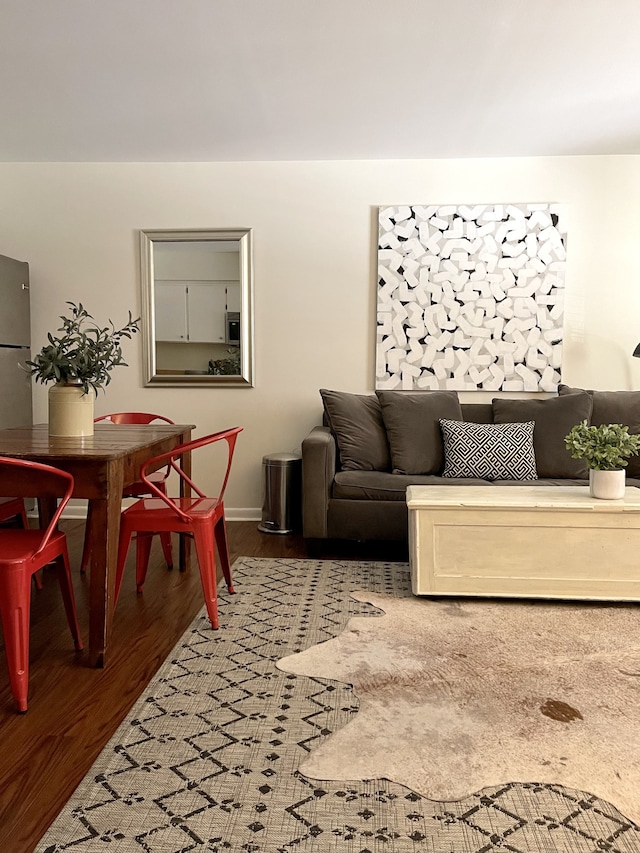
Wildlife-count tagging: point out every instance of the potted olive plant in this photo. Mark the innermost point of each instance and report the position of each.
(606, 450)
(78, 361)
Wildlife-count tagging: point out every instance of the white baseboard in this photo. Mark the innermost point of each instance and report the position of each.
(243, 513)
(231, 513)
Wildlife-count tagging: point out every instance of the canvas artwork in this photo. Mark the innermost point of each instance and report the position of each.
(470, 297)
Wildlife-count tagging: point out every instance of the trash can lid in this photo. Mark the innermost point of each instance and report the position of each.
(281, 458)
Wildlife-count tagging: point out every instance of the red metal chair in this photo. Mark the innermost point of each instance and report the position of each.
(201, 517)
(22, 554)
(135, 490)
(13, 508)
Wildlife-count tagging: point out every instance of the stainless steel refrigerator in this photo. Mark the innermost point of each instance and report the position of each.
(15, 344)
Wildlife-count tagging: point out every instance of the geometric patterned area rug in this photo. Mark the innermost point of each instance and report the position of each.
(208, 758)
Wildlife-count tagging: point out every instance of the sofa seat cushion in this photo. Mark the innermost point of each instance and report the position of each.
(412, 422)
(553, 419)
(378, 486)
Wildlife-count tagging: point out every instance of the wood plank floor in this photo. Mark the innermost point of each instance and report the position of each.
(73, 709)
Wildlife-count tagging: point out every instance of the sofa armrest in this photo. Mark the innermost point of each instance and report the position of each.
(318, 471)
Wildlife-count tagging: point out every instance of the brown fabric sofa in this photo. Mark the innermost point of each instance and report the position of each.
(356, 467)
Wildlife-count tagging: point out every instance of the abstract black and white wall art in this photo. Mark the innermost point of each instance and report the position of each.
(470, 297)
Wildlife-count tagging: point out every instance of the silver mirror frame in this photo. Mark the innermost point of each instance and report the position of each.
(147, 240)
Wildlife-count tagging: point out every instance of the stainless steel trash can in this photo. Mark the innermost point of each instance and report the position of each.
(281, 493)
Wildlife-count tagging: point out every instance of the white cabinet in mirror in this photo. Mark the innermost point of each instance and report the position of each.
(195, 311)
(197, 301)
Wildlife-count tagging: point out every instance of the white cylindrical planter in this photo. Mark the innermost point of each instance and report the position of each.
(607, 485)
(70, 411)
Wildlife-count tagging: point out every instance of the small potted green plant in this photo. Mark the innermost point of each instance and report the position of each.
(606, 450)
(228, 366)
(79, 360)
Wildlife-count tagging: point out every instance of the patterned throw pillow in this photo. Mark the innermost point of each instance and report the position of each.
(489, 451)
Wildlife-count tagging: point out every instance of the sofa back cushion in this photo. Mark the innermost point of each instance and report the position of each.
(412, 422)
(356, 422)
(614, 407)
(553, 419)
(477, 413)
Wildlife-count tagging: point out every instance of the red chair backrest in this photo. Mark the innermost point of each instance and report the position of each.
(173, 459)
(34, 480)
(132, 418)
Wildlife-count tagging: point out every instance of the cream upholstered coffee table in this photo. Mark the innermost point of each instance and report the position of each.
(523, 541)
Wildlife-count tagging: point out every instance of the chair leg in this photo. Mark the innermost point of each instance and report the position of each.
(24, 522)
(143, 551)
(223, 552)
(66, 588)
(206, 553)
(165, 539)
(15, 604)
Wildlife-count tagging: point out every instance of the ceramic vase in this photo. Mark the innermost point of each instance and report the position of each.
(70, 411)
(607, 485)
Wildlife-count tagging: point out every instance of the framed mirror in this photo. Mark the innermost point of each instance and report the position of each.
(197, 320)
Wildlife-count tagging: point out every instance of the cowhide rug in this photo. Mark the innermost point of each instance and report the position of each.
(458, 695)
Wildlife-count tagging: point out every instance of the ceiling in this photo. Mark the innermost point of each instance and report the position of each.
(225, 80)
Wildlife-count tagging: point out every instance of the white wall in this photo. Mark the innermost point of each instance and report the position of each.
(314, 238)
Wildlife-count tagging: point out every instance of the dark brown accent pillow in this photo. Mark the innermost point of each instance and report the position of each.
(412, 421)
(553, 418)
(614, 407)
(356, 422)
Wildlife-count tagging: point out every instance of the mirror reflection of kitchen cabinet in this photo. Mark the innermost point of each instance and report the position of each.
(191, 283)
(206, 311)
(194, 311)
(234, 296)
(171, 312)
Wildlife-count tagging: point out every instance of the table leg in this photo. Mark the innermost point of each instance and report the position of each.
(46, 509)
(105, 529)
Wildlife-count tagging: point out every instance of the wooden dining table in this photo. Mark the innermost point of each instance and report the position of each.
(102, 465)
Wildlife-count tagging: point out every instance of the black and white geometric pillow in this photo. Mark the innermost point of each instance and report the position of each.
(489, 451)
